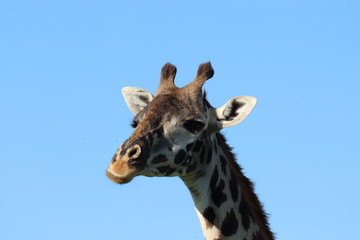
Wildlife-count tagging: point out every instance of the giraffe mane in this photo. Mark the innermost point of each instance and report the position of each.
(247, 189)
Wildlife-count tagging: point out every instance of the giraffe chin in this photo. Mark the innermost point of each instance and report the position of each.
(117, 179)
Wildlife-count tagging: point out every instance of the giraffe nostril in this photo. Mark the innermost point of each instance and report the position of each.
(134, 152)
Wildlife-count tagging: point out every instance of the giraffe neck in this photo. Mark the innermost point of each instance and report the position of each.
(224, 199)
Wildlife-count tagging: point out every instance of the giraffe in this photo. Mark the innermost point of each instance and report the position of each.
(177, 133)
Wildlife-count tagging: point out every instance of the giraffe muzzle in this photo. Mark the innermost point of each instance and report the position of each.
(128, 164)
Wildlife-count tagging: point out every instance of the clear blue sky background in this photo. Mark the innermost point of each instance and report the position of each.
(62, 67)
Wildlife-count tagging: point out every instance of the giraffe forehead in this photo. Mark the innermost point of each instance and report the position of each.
(165, 107)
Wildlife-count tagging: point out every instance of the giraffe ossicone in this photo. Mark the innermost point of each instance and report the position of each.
(177, 133)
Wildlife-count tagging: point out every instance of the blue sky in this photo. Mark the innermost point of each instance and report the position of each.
(62, 67)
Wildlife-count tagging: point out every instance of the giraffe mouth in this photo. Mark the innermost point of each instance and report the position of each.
(118, 179)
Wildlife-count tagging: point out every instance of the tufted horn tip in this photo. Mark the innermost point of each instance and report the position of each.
(167, 78)
(168, 72)
(205, 72)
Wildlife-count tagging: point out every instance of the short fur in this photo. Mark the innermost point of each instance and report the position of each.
(247, 188)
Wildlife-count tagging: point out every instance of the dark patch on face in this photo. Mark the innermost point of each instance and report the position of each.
(209, 215)
(202, 155)
(257, 236)
(180, 172)
(166, 170)
(245, 213)
(234, 188)
(233, 111)
(191, 168)
(198, 145)
(223, 164)
(159, 159)
(209, 155)
(217, 194)
(179, 157)
(230, 224)
(138, 163)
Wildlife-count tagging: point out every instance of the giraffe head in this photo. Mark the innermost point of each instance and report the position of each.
(171, 127)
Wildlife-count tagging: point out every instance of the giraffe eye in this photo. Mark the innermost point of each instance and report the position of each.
(194, 126)
(134, 124)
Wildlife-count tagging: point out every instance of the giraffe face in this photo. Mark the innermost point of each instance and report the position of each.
(163, 142)
(171, 127)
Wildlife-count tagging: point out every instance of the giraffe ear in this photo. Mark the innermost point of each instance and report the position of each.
(234, 111)
(136, 98)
